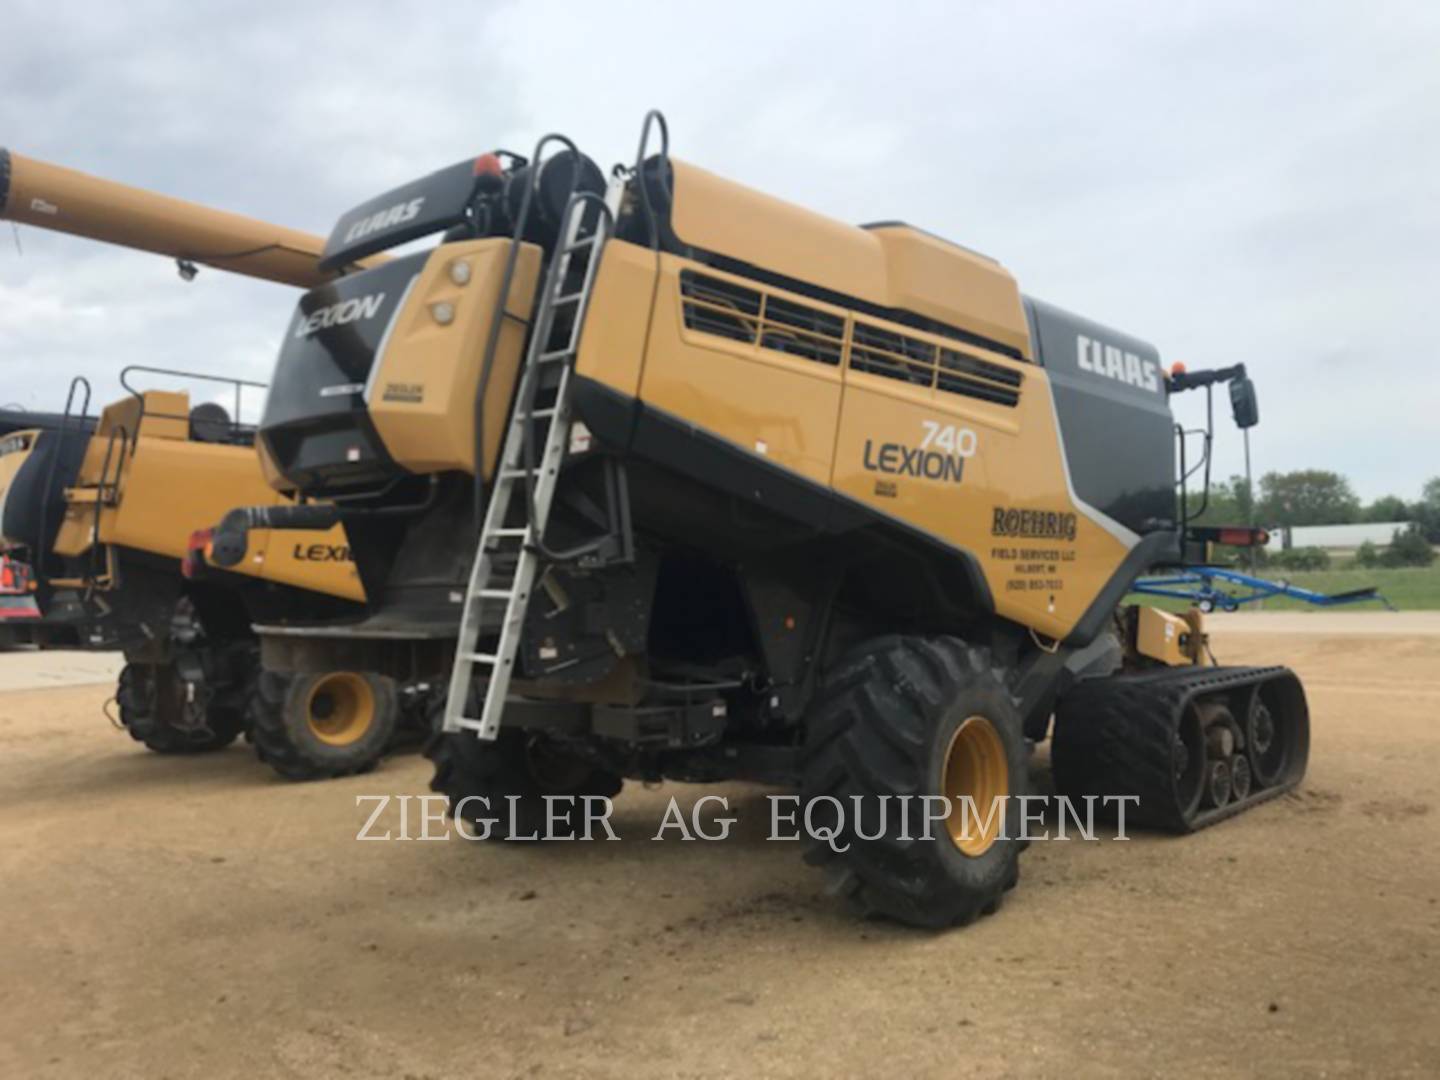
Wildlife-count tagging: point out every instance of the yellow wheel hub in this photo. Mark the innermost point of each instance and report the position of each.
(975, 766)
(340, 708)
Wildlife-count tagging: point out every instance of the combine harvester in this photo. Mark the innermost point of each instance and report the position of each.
(19, 614)
(673, 479)
(109, 509)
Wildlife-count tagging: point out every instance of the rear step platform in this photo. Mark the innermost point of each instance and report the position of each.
(1193, 745)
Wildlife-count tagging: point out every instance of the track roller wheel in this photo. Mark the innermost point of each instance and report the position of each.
(1217, 783)
(1240, 777)
(155, 708)
(498, 788)
(1269, 744)
(910, 717)
(314, 727)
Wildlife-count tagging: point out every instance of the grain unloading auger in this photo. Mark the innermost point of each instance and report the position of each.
(109, 508)
(677, 480)
(52, 197)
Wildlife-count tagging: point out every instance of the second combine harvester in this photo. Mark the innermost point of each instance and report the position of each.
(108, 509)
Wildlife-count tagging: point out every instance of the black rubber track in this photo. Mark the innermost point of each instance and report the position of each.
(496, 771)
(880, 725)
(278, 732)
(150, 704)
(1116, 736)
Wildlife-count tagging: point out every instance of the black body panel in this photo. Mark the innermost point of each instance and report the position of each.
(405, 213)
(34, 504)
(316, 425)
(20, 420)
(470, 197)
(1114, 416)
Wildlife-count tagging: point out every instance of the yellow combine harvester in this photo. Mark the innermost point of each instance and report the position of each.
(673, 479)
(109, 511)
(679, 480)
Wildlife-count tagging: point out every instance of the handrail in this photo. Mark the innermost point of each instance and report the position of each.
(653, 118)
(238, 384)
(60, 433)
(1208, 433)
(502, 302)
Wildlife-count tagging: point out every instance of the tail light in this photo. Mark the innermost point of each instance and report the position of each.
(195, 549)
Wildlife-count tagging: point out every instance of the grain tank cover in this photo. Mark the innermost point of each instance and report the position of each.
(890, 268)
(951, 284)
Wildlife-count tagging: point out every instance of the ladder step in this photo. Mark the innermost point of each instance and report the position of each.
(470, 723)
(538, 414)
(480, 657)
(522, 531)
(553, 355)
(567, 298)
(495, 594)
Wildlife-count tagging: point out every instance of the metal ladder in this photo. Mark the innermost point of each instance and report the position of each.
(510, 549)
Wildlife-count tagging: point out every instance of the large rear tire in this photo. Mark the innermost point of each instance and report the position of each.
(318, 727)
(911, 717)
(155, 710)
(482, 781)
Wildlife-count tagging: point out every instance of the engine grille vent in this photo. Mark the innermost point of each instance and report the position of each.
(739, 313)
(727, 310)
(878, 351)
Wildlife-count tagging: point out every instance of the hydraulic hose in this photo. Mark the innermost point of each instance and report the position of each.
(232, 535)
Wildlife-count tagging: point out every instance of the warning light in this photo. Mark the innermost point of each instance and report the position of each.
(488, 165)
(1236, 537)
(1177, 368)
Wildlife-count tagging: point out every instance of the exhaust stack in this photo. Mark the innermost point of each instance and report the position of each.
(64, 200)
